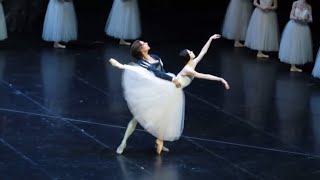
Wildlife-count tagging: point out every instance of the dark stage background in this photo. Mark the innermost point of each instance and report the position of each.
(162, 20)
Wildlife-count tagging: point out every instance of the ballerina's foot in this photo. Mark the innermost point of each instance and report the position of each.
(164, 149)
(58, 45)
(115, 63)
(294, 69)
(261, 55)
(121, 148)
(123, 42)
(238, 44)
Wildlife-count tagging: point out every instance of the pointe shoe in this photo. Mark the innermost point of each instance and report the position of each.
(58, 45)
(261, 55)
(294, 69)
(159, 146)
(115, 63)
(238, 44)
(121, 148)
(123, 42)
(164, 149)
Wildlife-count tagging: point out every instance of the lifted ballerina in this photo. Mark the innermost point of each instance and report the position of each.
(142, 90)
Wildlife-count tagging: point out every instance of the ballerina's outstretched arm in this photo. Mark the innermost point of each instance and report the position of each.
(193, 73)
(205, 49)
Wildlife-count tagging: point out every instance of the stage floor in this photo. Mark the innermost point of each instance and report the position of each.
(63, 114)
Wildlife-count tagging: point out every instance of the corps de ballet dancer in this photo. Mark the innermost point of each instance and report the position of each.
(60, 23)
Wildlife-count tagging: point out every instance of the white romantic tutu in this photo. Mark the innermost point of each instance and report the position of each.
(316, 68)
(263, 31)
(124, 20)
(60, 23)
(3, 26)
(155, 103)
(296, 44)
(237, 19)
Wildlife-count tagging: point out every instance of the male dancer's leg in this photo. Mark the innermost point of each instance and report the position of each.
(130, 128)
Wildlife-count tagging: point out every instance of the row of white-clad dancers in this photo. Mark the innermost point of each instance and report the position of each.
(259, 30)
(60, 23)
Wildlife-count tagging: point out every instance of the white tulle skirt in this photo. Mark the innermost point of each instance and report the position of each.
(124, 20)
(296, 44)
(3, 26)
(155, 103)
(60, 23)
(263, 31)
(237, 19)
(316, 68)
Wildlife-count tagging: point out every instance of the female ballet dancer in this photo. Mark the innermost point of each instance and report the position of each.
(3, 26)
(263, 30)
(60, 24)
(296, 41)
(157, 104)
(236, 21)
(124, 21)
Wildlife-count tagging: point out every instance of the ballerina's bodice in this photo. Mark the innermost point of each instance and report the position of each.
(301, 13)
(184, 80)
(266, 3)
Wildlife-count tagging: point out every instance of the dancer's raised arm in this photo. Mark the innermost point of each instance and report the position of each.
(205, 48)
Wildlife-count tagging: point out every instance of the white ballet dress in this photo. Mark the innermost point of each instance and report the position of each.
(156, 104)
(296, 41)
(263, 30)
(236, 20)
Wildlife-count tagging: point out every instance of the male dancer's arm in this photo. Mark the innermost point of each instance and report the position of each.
(160, 74)
(156, 72)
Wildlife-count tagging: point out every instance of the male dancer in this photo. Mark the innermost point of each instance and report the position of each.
(140, 51)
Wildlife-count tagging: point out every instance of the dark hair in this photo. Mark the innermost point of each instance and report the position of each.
(136, 49)
(184, 53)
